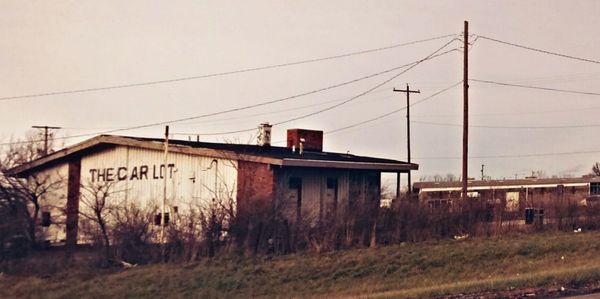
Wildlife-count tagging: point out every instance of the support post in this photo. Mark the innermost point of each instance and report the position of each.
(164, 200)
(465, 146)
(397, 185)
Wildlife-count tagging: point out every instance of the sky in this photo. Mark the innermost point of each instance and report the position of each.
(59, 46)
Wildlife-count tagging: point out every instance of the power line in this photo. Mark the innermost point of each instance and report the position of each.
(260, 68)
(234, 118)
(513, 113)
(536, 87)
(272, 112)
(539, 50)
(428, 57)
(508, 127)
(408, 66)
(391, 112)
(515, 155)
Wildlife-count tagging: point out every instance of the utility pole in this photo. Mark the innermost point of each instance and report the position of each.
(465, 148)
(164, 201)
(46, 135)
(408, 92)
(482, 177)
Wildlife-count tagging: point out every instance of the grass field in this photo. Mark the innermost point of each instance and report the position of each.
(411, 270)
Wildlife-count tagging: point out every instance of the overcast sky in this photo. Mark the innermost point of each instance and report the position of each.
(72, 45)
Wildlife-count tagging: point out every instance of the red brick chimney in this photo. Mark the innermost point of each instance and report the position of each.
(313, 139)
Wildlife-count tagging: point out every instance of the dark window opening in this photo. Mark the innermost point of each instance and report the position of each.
(46, 221)
(595, 188)
(157, 218)
(332, 183)
(295, 183)
(560, 190)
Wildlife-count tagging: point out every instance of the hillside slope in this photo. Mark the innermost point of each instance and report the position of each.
(410, 270)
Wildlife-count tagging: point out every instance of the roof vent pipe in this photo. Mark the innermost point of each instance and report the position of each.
(301, 146)
(264, 134)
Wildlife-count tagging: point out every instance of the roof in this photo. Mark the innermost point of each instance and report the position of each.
(486, 184)
(274, 155)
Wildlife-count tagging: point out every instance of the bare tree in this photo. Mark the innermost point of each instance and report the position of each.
(596, 169)
(97, 205)
(24, 195)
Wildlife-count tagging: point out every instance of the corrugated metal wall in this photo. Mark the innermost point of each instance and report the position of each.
(54, 202)
(137, 176)
(317, 199)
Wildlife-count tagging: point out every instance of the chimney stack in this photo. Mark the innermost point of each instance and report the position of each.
(305, 140)
(264, 134)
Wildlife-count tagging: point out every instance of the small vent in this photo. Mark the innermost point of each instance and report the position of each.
(264, 134)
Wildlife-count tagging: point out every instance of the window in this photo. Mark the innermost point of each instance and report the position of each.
(560, 190)
(473, 194)
(595, 188)
(46, 220)
(512, 201)
(157, 218)
(332, 183)
(295, 183)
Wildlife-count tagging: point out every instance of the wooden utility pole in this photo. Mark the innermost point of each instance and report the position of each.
(408, 92)
(465, 147)
(46, 135)
(164, 201)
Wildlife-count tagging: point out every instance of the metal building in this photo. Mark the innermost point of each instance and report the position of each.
(305, 181)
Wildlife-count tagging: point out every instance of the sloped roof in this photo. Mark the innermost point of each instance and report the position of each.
(274, 155)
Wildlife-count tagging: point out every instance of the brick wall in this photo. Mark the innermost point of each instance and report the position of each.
(313, 139)
(256, 184)
(73, 193)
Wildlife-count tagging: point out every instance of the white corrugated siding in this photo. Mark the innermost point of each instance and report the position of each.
(54, 201)
(192, 182)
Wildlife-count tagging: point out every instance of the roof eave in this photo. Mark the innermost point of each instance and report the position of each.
(23, 170)
(391, 167)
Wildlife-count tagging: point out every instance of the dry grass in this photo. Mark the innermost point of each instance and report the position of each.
(410, 270)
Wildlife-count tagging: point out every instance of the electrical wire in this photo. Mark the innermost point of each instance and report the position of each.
(392, 112)
(511, 113)
(408, 66)
(271, 112)
(428, 57)
(507, 127)
(260, 68)
(535, 87)
(539, 50)
(514, 156)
